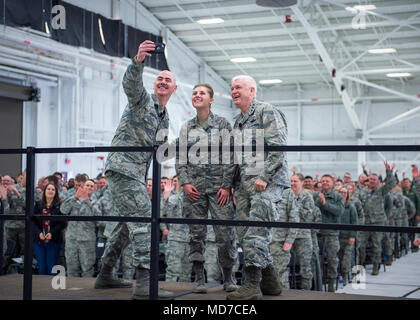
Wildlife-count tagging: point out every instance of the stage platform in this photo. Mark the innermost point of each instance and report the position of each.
(11, 288)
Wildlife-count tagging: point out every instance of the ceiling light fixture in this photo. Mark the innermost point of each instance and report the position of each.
(210, 21)
(270, 81)
(382, 50)
(365, 7)
(244, 59)
(100, 31)
(398, 74)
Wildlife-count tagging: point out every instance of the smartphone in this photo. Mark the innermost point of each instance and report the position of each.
(159, 48)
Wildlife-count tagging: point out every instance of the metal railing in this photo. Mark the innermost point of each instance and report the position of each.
(155, 219)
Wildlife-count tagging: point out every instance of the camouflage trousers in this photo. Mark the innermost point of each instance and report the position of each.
(225, 235)
(303, 250)
(347, 250)
(315, 264)
(178, 266)
(125, 263)
(80, 255)
(254, 241)
(376, 246)
(129, 199)
(388, 240)
(281, 259)
(212, 263)
(403, 236)
(332, 246)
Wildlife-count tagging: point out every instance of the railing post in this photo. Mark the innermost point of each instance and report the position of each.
(155, 226)
(28, 252)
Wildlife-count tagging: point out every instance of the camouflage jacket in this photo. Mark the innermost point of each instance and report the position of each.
(270, 167)
(17, 205)
(103, 207)
(79, 230)
(416, 188)
(349, 216)
(410, 209)
(411, 194)
(374, 204)
(174, 209)
(141, 120)
(398, 204)
(359, 208)
(331, 211)
(207, 172)
(286, 210)
(306, 205)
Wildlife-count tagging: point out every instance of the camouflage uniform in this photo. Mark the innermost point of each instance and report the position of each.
(394, 218)
(302, 245)
(212, 262)
(261, 206)
(80, 237)
(375, 215)
(163, 244)
(207, 179)
(416, 185)
(411, 194)
(285, 210)
(5, 206)
(104, 207)
(349, 216)
(360, 220)
(387, 237)
(15, 229)
(315, 263)
(408, 211)
(178, 266)
(330, 213)
(126, 171)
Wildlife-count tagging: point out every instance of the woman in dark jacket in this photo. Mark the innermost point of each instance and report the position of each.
(48, 235)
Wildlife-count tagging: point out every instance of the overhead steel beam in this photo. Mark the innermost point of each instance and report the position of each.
(172, 37)
(395, 120)
(376, 86)
(376, 71)
(329, 64)
(374, 46)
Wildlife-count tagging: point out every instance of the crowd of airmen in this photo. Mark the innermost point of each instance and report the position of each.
(369, 201)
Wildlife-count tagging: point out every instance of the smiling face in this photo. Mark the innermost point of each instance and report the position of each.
(90, 187)
(165, 84)
(50, 191)
(201, 98)
(327, 184)
(296, 184)
(242, 94)
(373, 181)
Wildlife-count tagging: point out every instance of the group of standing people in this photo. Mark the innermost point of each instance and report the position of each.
(253, 186)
